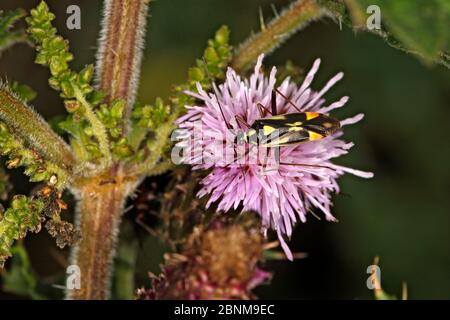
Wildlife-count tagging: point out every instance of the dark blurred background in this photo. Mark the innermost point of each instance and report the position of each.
(402, 215)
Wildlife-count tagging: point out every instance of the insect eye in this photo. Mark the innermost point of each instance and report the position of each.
(333, 127)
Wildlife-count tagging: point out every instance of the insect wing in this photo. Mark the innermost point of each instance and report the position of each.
(294, 128)
(284, 138)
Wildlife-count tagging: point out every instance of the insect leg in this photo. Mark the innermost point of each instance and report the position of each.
(234, 147)
(273, 106)
(262, 109)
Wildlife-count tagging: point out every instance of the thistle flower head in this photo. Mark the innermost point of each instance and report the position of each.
(283, 191)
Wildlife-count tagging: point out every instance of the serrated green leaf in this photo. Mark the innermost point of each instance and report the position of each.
(25, 93)
(20, 278)
(8, 37)
(423, 27)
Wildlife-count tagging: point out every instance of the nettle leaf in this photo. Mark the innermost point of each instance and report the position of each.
(421, 26)
(9, 37)
(20, 279)
(23, 91)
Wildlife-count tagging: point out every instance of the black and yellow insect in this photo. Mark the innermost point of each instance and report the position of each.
(288, 129)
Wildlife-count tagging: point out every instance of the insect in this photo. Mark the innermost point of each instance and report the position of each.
(284, 129)
(287, 129)
(279, 130)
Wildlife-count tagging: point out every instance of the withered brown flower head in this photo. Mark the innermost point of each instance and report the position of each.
(219, 261)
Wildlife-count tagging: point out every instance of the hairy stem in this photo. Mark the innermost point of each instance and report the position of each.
(101, 199)
(100, 207)
(29, 126)
(292, 19)
(120, 50)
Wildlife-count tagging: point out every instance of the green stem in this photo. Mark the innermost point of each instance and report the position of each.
(97, 126)
(292, 19)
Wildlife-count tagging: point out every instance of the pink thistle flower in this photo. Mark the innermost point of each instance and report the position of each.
(281, 194)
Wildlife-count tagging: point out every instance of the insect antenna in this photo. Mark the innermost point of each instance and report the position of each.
(273, 105)
(287, 99)
(305, 165)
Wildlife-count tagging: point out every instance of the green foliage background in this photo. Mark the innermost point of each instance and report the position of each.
(402, 215)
